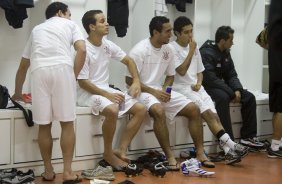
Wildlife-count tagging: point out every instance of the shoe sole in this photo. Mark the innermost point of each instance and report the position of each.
(108, 178)
(233, 161)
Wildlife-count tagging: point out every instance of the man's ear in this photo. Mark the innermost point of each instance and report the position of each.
(92, 27)
(60, 13)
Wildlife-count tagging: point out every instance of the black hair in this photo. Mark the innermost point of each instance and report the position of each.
(157, 24)
(181, 22)
(89, 18)
(54, 8)
(223, 33)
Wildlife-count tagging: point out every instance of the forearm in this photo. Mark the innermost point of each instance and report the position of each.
(182, 69)
(79, 62)
(168, 81)
(21, 75)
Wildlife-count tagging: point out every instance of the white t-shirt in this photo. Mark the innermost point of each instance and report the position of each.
(196, 65)
(152, 63)
(50, 43)
(96, 67)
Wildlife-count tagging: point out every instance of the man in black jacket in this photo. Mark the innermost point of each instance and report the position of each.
(222, 84)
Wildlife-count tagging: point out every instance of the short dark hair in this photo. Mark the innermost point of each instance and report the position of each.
(181, 22)
(157, 24)
(54, 8)
(223, 33)
(89, 18)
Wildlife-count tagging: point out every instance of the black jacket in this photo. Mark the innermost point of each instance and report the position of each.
(219, 69)
(179, 4)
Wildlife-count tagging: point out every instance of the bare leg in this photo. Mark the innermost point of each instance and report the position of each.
(109, 127)
(213, 123)
(277, 126)
(45, 143)
(67, 146)
(191, 111)
(161, 131)
(138, 111)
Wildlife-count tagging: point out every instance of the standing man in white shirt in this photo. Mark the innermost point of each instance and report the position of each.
(53, 83)
(155, 61)
(188, 81)
(94, 90)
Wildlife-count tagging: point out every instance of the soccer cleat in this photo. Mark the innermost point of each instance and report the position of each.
(133, 170)
(20, 178)
(241, 150)
(191, 167)
(274, 154)
(232, 157)
(158, 169)
(101, 173)
(253, 143)
(6, 173)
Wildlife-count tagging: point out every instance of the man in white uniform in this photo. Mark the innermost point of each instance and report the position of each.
(154, 60)
(53, 82)
(94, 90)
(188, 81)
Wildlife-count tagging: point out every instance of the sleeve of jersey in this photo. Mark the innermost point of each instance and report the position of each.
(77, 34)
(116, 52)
(136, 55)
(171, 66)
(200, 65)
(84, 73)
(177, 60)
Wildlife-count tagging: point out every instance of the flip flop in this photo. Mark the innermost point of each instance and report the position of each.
(171, 167)
(208, 164)
(76, 180)
(45, 179)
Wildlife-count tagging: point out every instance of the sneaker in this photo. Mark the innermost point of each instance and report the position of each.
(191, 167)
(232, 157)
(6, 173)
(241, 150)
(102, 173)
(20, 178)
(253, 143)
(274, 154)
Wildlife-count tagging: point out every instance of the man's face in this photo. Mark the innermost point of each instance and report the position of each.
(102, 26)
(229, 42)
(165, 34)
(186, 34)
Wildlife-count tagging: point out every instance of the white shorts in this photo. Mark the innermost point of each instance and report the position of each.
(172, 108)
(98, 102)
(53, 92)
(200, 98)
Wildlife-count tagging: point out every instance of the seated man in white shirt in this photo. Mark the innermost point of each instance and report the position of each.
(188, 81)
(155, 60)
(94, 90)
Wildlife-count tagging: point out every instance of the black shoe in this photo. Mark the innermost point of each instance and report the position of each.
(6, 173)
(232, 157)
(20, 178)
(158, 169)
(241, 150)
(274, 154)
(133, 170)
(253, 143)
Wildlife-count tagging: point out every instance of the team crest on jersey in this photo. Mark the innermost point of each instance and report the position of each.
(97, 102)
(165, 55)
(107, 50)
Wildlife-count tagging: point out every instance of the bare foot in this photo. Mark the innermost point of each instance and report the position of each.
(48, 176)
(121, 155)
(67, 176)
(115, 162)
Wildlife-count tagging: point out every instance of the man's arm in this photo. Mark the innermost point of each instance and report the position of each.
(135, 87)
(182, 69)
(20, 78)
(197, 86)
(88, 86)
(80, 48)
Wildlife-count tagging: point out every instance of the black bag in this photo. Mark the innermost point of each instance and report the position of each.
(4, 97)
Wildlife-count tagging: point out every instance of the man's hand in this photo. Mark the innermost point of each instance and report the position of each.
(18, 97)
(162, 95)
(192, 46)
(115, 97)
(196, 87)
(237, 98)
(134, 90)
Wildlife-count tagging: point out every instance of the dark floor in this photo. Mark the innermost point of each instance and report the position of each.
(255, 168)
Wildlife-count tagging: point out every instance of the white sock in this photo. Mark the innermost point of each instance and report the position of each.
(225, 139)
(275, 144)
(280, 142)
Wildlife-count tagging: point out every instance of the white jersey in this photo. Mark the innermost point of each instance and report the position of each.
(50, 43)
(196, 65)
(152, 63)
(96, 67)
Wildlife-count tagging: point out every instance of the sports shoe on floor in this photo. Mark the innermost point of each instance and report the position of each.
(241, 150)
(158, 169)
(191, 161)
(102, 173)
(274, 154)
(253, 143)
(5, 173)
(20, 178)
(232, 157)
(192, 167)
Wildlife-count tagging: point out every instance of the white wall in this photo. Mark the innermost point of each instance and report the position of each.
(245, 16)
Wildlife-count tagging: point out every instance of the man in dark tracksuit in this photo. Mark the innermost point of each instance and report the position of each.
(222, 84)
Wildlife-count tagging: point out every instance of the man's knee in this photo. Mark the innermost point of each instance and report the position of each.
(157, 111)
